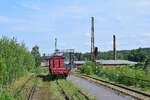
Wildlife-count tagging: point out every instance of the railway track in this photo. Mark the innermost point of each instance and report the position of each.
(121, 89)
(23, 86)
(68, 97)
(62, 91)
(29, 97)
(87, 98)
(19, 89)
(30, 91)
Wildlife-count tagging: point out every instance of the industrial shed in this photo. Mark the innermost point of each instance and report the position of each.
(106, 62)
(115, 62)
(44, 61)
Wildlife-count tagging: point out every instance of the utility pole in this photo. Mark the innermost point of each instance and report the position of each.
(56, 49)
(92, 39)
(55, 44)
(114, 47)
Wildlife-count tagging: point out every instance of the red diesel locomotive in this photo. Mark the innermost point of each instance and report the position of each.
(57, 66)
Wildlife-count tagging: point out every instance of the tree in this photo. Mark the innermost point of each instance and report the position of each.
(36, 54)
(137, 55)
(15, 60)
(147, 65)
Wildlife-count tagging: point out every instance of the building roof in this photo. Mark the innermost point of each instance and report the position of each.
(45, 57)
(76, 62)
(108, 62)
(49, 56)
(116, 62)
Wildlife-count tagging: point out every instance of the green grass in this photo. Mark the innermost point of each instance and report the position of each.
(5, 96)
(39, 70)
(56, 91)
(126, 75)
(12, 91)
(15, 61)
(71, 90)
(9, 91)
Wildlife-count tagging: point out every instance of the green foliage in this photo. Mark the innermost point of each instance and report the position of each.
(139, 66)
(39, 70)
(36, 54)
(5, 96)
(126, 75)
(133, 55)
(88, 68)
(15, 60)
(147, 65)
(137, 55)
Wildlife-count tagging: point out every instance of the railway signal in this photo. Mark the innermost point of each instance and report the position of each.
(95, 52)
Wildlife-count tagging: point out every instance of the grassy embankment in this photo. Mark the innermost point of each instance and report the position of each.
(15, 62)
(14, 91)
(126, 75)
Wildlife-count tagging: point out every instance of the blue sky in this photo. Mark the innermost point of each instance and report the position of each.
(38, 22)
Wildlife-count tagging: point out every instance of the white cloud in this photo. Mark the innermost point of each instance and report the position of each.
(31, 6)
(77, 9)
(7, 19)
(147, 34)
(88, 34)
(142, 3)
(33, 24)
(72, 11)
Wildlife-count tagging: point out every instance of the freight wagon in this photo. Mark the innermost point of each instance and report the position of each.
(57, 66)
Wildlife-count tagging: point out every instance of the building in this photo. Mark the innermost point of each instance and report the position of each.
(115, 62)
(106, 62)
(44, 62)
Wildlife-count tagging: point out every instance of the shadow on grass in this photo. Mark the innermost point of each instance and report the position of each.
(48, 77)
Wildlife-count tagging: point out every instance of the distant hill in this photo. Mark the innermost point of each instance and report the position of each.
(121, 54)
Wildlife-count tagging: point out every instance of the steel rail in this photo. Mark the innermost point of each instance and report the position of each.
(86, 97)
(32, 91)
(19, 89)
(62, 91)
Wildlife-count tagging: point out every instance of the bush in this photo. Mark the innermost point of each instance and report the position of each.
(5, 96)
(15, 60)
(88, 68)
(39, 70)
(126, 75)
